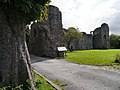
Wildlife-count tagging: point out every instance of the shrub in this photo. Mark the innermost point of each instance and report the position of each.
(117, 58)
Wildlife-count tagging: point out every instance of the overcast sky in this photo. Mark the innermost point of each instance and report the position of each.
(90, 14)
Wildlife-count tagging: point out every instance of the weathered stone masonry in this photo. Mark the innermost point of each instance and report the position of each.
(47, 36)
(84, 43)
(101, 37)
(98, 39)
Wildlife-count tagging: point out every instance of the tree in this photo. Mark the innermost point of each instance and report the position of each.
(71, 34)
(15, 66)
(114, 41)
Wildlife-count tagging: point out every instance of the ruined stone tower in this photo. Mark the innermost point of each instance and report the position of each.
(101, 37)
(47, 36)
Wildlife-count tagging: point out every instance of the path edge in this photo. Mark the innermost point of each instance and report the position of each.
(48, 81)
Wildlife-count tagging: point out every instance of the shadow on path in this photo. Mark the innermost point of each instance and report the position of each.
(35, 59)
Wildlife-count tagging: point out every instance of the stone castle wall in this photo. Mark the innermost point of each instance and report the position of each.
(47, 36)
(85, 43)
(99, 39)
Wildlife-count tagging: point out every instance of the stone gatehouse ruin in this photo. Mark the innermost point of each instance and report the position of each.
(45, 37)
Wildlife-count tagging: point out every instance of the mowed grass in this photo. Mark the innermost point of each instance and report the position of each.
(93, 57)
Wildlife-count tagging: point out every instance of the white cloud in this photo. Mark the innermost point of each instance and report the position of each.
(87, 15)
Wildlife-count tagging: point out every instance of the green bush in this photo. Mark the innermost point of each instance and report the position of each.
(117, 58)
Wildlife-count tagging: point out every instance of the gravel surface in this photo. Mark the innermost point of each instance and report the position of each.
(77, 77)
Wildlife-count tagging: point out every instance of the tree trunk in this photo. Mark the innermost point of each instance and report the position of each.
(15, 66)
(70, 48)
(68, 45)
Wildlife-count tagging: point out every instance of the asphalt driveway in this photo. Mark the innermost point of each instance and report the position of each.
(77, 77)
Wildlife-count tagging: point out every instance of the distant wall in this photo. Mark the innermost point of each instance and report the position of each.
(86, 42)
(98, 39)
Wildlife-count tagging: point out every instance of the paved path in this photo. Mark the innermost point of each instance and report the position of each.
(77, 77)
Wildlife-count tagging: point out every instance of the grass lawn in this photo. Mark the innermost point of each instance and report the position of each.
(93, 57)
(42, 84)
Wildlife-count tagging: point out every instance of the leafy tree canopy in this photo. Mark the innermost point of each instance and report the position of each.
(72, 34)
(115, 41)
(26, 10)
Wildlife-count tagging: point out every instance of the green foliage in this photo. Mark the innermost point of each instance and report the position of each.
(93, 57)
(41, 84)
(70, 35)
(25, 86)
(115, 41)
(117, 58)
(12, 88)
(26, 10)
(59, 83)
(27, 32)
(111, 67)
